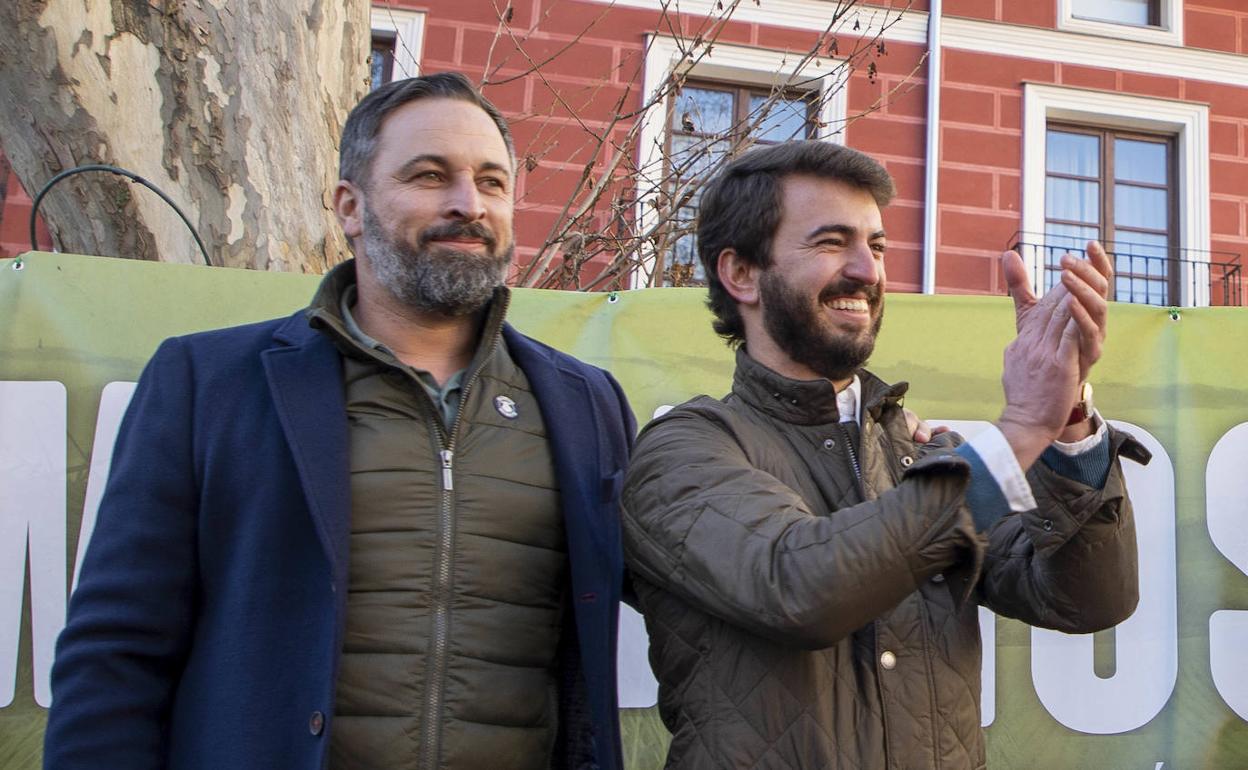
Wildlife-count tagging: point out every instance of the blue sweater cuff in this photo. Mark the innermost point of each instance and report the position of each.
(984, 497)
(1090, 467)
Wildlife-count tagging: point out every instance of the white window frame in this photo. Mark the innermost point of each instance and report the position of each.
(731, 65)
(408, 28)
(1170, 31)
(1187, 122)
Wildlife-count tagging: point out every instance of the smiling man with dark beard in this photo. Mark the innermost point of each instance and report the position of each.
(808, 572)
(794, 322)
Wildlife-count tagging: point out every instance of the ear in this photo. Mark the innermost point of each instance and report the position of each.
(740, 278)
(349, 208)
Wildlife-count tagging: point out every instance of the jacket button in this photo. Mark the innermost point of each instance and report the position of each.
(316, 723)
(888, 660)
(907, 461)
(938, 578)
(1048, 525)
(829, 444)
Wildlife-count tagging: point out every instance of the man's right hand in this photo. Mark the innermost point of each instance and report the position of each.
(1042, 365)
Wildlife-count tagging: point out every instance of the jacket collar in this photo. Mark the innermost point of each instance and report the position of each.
(805, 402)
(328, 313)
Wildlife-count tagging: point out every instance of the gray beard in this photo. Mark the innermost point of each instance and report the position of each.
(448, 282)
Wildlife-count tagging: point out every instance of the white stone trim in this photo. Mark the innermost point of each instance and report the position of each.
(731, 64)
(1095, 51)
(1169, 33)
(408, 28)
(1187, 122)
(813, 15)
(1062, 46)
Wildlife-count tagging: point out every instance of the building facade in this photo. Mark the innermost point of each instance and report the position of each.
(1051, 122)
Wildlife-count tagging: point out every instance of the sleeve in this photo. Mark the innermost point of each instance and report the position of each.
(1070, 564)
(999, 486)
(120, 656)
(1087, 461)
(703, 522)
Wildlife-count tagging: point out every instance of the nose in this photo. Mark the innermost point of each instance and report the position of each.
(463, 199)
(863, 266)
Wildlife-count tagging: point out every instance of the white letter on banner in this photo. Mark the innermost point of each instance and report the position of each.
(113, 403)
(987, 619)
(32, 505)
(1146, 644)
(1226, 490)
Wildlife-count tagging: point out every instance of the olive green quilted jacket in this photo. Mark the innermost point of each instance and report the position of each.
(801, 617)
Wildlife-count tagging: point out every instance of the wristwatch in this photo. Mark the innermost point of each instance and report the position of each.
(1083, 407)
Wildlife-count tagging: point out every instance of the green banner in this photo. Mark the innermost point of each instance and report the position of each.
(1166, 689)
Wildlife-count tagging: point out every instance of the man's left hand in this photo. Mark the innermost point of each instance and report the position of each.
(1087, 281)
(919, 429)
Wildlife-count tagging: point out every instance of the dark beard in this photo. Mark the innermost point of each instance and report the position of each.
(436, 279)
(793, 322)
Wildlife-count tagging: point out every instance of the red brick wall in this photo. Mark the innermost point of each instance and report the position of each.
(1034, 13)
(15, 216)
(1219, 25)
(596, 59)
(895, 134)
(981, 157)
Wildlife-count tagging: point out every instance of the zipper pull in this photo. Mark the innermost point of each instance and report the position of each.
(447, 483)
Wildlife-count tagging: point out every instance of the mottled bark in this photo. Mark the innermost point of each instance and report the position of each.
(231, 108)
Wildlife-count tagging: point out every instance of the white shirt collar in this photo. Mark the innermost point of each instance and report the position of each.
(849, 401)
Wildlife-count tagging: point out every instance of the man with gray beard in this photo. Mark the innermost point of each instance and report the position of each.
(378, 533)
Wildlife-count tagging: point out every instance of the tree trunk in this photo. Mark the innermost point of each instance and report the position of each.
(231, 108)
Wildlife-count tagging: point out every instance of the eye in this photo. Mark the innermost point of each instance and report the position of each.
(430, 176)
(879, 248)
(493, 183)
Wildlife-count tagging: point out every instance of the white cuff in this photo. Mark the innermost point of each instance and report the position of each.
(1082, 445)
(998, 457)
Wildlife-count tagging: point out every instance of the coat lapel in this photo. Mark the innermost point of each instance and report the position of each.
(574, 429)
(304, 372)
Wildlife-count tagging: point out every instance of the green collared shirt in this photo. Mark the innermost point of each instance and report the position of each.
(445, 397)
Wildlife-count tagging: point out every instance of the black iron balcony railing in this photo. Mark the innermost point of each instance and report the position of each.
(1145, 273)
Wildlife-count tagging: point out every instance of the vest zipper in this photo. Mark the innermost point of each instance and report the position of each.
(448, 482)
(435, 680)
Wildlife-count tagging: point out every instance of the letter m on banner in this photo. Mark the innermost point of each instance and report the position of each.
(33, 512)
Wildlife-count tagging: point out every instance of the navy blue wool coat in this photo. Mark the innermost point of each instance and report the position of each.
(207, 625)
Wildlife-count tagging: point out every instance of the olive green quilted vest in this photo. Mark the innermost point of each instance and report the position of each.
(457, 572)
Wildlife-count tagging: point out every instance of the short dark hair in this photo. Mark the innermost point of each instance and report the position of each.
(359, 134)
(740, 209)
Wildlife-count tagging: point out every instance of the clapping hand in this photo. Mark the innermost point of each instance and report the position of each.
(1060, 337)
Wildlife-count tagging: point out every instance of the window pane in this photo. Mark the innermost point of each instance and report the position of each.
(1142, 263)
(1077, 154)
(703, 111)
(1124, 11)
(1069, 237)
(1072, 200)
(1137, 161)
(1140, 207)
(694, 156)
(1061, 239)
(1140, 290)
(1140, 244)
(785, 119)
(381, 62)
